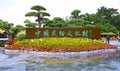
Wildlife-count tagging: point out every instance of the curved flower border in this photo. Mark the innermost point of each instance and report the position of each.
(60, 48)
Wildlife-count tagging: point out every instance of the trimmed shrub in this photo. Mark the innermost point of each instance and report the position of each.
(21, 36)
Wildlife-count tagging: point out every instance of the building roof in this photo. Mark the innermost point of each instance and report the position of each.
(2, 31)
(107, 33)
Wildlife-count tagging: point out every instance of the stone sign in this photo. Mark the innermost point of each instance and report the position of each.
(93, 33)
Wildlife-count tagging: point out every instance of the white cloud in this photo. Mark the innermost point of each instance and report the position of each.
(14, 10)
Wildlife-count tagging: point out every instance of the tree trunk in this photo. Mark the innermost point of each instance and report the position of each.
(39, 22)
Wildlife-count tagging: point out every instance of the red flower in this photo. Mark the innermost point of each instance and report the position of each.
(60, 48)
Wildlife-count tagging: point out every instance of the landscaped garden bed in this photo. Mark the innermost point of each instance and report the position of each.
(60, 45)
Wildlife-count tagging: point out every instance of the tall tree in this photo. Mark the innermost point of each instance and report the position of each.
(40, 13)
(15, 30)
(107, 13)
(110, 15)
(10, 29)
(75, 13)
(116, 21)
(6, 26)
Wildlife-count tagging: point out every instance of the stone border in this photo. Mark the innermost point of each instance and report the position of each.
(61, 54)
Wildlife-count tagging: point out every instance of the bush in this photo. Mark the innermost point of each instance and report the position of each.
(21, 36)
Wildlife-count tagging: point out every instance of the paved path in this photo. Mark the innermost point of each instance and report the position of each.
(4, 38)
(116, 43)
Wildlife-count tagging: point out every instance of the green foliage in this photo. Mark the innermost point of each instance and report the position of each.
(57, 25)
(30, 24)
(47, 22)
(101, 19)
(21, 36)
(109, 15)
(116, 22)
(31, 14)
(17, 28)
(92, 18)
(107, 28)
(10, 29)
(89, 25)
(76, 22)
(104, 16)
(38, 7)
(56, 22)
(58, 19)
(60, 41)
(75, 13)
(6, 25)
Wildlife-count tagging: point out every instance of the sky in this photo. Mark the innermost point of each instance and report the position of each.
(14, 11)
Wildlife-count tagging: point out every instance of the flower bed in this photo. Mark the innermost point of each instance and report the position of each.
(60, 48)
(11, 41)
(60, 45)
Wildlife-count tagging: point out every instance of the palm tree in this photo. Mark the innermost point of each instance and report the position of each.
(40, 13)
